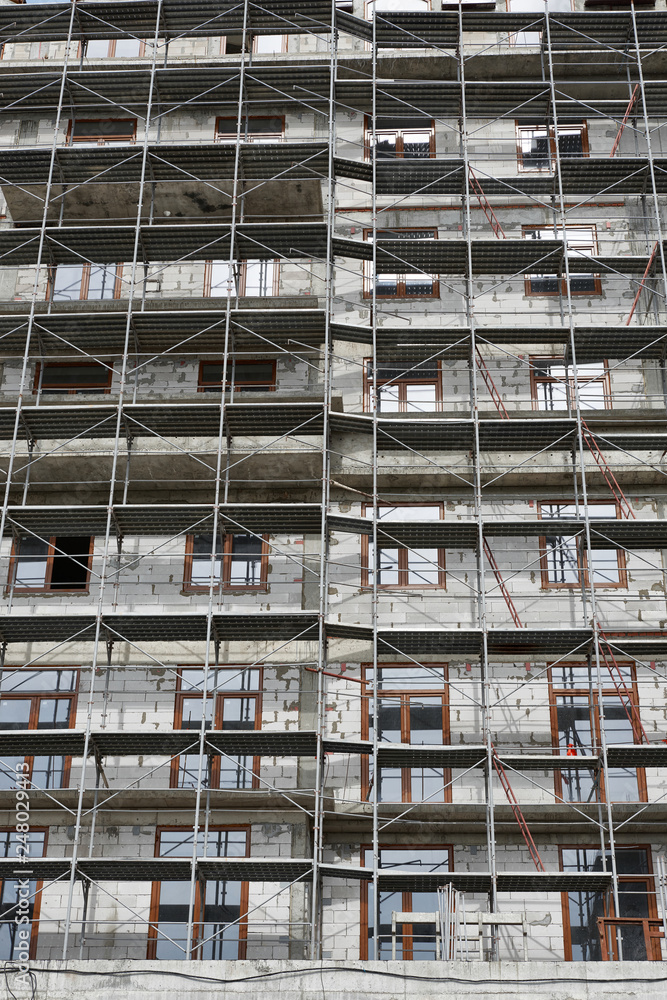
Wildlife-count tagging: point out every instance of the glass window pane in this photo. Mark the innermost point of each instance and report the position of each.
(535, 148)
(246, 561)
(425, 720)
(423, 569)
(418, 284)
(15, 713)
(173, 920)
(48, 772)
(386, 284)
(8, 771)
(575, 733)
(417, 145)
(192, 713)
(389, 398)
(427, 784)
(201, 561)
(102, 281)
(603, 564)
(222, 906)
(269, 43)
(220, 279)
(28, 679)
(258, 277)
(427, 676)
(11, 846)
(97, 48)
(128, 48)
(67, 282)
(239, 713)
(391, 784)
(562, 560)
(385, 145)
(387, 566)
(189, 773)
(54, 713)
(236, 772)
(31, 563)
(421, 398)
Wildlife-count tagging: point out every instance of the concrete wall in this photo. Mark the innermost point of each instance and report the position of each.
(342, 980)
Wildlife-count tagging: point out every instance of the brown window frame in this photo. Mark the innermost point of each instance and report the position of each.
(403, 566)
(609, 900)
(405, 694)
(74, 388)
(46, 588)
(203, 386)
(562, 282)
(406, 904)
(568, 385)
(85, 282)
(220, 696)
(583, 570)
(400, 278)
(402, 384)
(596, 721)
(35, 697)
(242, 266)
(251, 136)
(101, 139)
(400, 139)
(39, 885)
(111, 54)
(551, 136)
(224, 584)
(154, 912)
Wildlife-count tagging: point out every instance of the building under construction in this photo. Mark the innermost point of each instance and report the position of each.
(334, 627)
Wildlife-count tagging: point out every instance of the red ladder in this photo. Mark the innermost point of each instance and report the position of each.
(642, 283)
(516, 809)
(484, 205)
(622, 690)
(491, 386)
(628, 112)
(501, 583)
(610, 478)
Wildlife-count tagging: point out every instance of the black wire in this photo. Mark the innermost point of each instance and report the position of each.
(322, 969)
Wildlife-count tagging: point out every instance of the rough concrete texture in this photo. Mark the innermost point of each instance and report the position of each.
(347, 980)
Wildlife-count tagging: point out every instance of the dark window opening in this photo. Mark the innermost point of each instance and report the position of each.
(245, 376)
(54, 379)
(59, 563)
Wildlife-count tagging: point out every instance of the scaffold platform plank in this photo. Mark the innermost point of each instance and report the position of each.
(169, 743)
(195, 85)
(509, 256)
(165, 242)
(165, 869)
(178, 18)
(575, 30)
(459, 756)
(50, 628)
(549, 762)
(637, 755)
(165, 519)
(121, 163)
(156, 330)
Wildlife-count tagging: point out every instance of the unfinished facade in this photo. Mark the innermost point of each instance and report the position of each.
(334, 591)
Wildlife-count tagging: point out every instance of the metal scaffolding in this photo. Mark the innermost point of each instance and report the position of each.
(130, 465)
